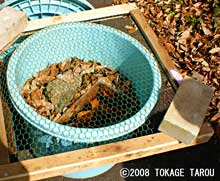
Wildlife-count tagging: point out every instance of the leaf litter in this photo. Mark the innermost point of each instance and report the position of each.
(190, 31)
(76, 92)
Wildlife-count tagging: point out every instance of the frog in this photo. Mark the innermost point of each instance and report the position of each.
(60, 93)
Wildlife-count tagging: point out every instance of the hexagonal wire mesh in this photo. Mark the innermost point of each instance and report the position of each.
(25, 141)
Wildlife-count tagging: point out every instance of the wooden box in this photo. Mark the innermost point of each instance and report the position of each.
(120, 151)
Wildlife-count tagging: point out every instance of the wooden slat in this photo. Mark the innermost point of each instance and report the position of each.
(4, 155)
(81, 16)
(59, 164)
(10, 43)
(152, 38)
(153, 41)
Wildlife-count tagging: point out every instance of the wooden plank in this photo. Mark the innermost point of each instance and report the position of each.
(54, 165)
(12, 149)
(4, 155)
(59, 178)
(152, 38)
(186, 113)
(81, 16)
(7, 121)
(12, 23)
(11, 42)
(153, 41)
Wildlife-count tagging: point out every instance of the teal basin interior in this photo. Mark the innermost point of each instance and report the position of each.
(89, 42)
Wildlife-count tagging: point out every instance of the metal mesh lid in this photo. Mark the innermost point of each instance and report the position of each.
(37, 9)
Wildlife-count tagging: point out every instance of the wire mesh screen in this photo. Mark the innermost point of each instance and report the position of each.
(25, 141)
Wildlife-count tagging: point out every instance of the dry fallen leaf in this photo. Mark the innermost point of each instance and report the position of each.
(185, 36)
(61, 91)
(84, 115)
(214, 50)
(131, 29)
(216, 117)
(94, 103)
(170, 47)
(190, 32)
(205, 29)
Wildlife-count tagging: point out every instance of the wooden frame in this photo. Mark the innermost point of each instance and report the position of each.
(54, 165)
(4, 157)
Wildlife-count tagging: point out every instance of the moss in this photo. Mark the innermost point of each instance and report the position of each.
(152, 24)
(171, 14)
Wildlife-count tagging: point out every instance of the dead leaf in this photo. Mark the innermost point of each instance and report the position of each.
(215, 81)
(206, 69)
(84, 115)
(53, 70)
(215, 59)
(205, 63)
(214, 50)
(36, 97)
(131, 29)
(65, 65)
(26, 89)
(185, 36)
(206, 30)
(94, 103)
(170, 47)
(44, 79)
